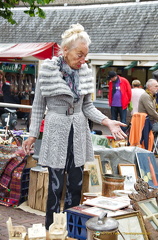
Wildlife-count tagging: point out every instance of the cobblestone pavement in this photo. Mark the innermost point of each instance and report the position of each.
(19, 217)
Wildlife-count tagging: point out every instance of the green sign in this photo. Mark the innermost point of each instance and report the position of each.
(11, 67)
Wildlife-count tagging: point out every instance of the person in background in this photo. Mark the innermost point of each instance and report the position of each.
(137, 91)
(119, 96)
(64, 86)
(7, 96)
(147, 102)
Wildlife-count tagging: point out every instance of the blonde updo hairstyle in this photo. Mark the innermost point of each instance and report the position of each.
(74, 33)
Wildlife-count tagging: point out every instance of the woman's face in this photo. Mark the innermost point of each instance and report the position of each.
(75, 56)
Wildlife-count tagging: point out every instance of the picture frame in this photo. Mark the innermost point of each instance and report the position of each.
(131, 226)
(148, 207)
(148, 168)
(105, 167)
(95, 178)
(149, 210)
(130, 173)
(144, 200)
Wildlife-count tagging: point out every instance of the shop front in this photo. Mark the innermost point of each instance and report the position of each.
(129, 66)
(20, 63)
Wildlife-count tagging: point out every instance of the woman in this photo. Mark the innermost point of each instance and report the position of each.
(65, 86)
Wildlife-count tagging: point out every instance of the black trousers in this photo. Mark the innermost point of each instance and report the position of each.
(56, 183)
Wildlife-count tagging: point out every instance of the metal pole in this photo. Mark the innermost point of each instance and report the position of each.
(10, 105)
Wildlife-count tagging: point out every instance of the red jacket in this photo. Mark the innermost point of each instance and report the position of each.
(125, 89)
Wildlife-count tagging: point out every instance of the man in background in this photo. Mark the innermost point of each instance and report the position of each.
(119, 96)
(137, 91)
(147, 102)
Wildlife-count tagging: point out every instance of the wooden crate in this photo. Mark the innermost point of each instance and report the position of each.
(38, 189)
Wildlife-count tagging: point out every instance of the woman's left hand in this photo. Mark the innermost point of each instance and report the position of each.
(115, 128)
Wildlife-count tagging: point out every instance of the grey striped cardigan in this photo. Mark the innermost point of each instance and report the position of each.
(53, 92)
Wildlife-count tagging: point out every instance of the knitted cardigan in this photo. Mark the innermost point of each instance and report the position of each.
(52, 91)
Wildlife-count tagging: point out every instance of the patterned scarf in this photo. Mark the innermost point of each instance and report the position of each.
(153, 98)
(71, 76)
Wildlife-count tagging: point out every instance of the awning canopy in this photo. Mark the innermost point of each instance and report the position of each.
(131, 65)
(108, 64)
(153, 68)
(12, 52)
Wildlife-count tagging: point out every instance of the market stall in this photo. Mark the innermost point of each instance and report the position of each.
(20, 64)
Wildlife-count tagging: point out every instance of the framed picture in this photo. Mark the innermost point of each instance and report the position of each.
(105, 167)
(149, 210)
(148, 168)
(131, 226)
(130, 173)
(95, 178)
(148, 207)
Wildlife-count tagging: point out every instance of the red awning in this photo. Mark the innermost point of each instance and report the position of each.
(23, 50)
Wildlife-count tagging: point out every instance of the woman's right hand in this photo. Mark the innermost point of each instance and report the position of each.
(27, 145)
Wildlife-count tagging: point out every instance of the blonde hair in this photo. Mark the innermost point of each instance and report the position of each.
(74, 33)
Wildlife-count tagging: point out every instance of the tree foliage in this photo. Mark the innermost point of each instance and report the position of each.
(33, 6)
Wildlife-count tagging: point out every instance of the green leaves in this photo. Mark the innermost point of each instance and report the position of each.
(35, 11)
(32, 5)
(7, 14)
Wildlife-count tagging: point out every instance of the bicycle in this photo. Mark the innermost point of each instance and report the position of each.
(11, 135)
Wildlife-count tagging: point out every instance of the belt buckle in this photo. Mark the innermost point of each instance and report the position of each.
(70, 111)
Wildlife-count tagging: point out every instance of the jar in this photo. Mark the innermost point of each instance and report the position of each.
(102, 227)
(110, 183)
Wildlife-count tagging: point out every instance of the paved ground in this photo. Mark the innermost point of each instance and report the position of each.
(19, 217)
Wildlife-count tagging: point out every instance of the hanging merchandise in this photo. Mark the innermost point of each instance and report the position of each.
(12, 84)
(30, 84)
(21, 84)
(15, 86)
(1, 84)
(26, 86)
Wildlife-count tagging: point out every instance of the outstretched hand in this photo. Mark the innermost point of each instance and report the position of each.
(115, 128)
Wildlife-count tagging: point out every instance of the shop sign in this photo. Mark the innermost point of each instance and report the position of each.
(9, 67)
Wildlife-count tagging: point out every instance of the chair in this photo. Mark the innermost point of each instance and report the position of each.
(57, 229)
(141, 134)
(37, 232)
(15, 232)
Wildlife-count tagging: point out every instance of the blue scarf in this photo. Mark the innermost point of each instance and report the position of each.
(71, 76)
